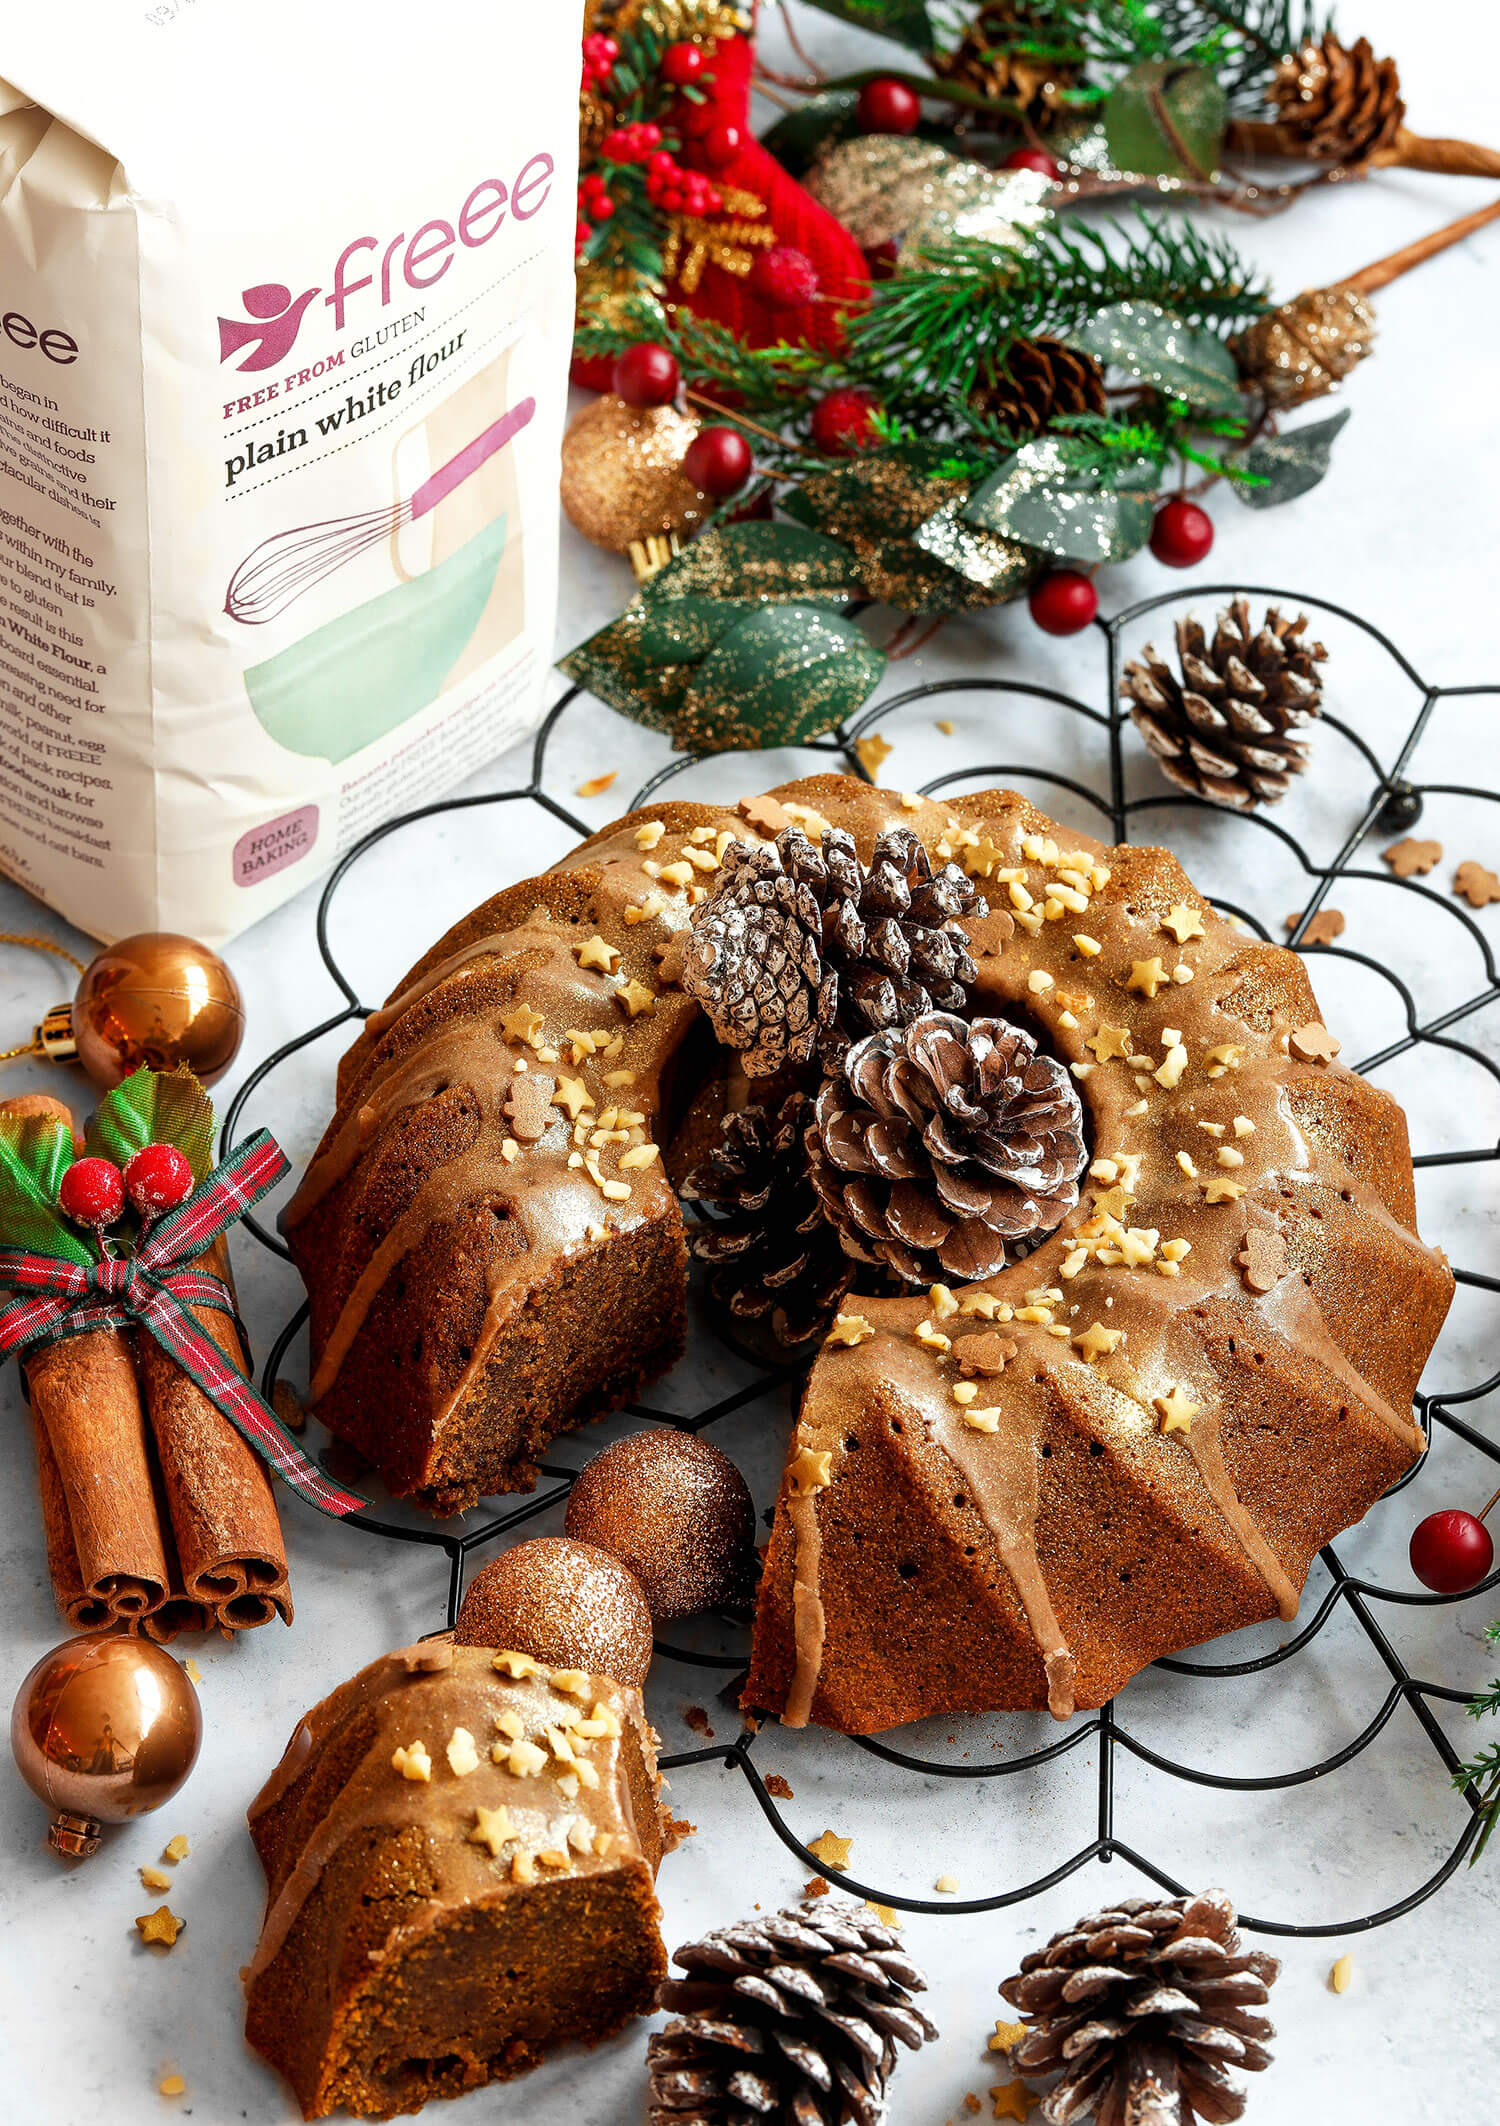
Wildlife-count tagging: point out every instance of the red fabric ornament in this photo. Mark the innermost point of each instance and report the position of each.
(1063, 602)
(1451, 1551)
(646, 375)
(1182, 533)
(92, 1192)
(844, 422)
(887, 106)
(784, 278)
(717, 462)
(158, 1178)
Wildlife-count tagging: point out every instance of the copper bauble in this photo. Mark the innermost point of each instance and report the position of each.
(565, 1603)
(622, 478)
(676, 1512)
(104, 1728)
(156, 998)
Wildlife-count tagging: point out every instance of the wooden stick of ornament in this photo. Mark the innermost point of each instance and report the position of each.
(157, 998)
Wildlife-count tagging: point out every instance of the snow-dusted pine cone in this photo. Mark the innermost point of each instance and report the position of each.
(946, 1150)
(790, 2020)
(771, 1254)
(800, 946)
(1146, 2009)
(1223, 729)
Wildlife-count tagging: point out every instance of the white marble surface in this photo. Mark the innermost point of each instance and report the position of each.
(1403, 530)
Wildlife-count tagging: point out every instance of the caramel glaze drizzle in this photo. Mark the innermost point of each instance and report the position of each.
(1164, 1344)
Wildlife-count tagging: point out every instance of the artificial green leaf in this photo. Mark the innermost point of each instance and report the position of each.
(1156, 348)
(1059, 500)
(785, 674)
(1289, 464)
(1166, 118)
(684, 630)
(766, 562)
(611, 665)
(35, 1152)
(810, 128)
(907, 22)
(155, 1107)
(980, 566)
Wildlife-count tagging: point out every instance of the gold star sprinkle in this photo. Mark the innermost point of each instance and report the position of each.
(832, 1852)
(872, 753)
(1183, 922)
(492, 1827)
(596, 954)
(517, 1665)
(1146, 976)
(1007, 2036)
(1175, 1411)
(634, 998)
(412, 1762)
(1012, 2100)
(522, 1024)
(850, 1329)
(810, 1471)
(1097, 1342)
(573, 1096)
(1109, 1041)
(161, 1926)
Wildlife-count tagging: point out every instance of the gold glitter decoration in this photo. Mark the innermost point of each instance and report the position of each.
(729, 241)
(1307, 347)
(912, 192)
(677, 21)
(903, 523)
(622, 477)
(613, 299)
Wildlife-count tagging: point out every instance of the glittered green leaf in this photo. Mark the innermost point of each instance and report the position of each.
(785, 674)
(767, 562)
(810, 128)
(907, 22)
(1166, 118)
(1156, 348)
(612, 665)
(1288, 464)
(35, 1152)
(1085, 512)
(684, 630)
(154, 1107)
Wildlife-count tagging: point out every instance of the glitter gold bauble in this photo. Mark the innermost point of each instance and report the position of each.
(1307, 347)
(156, 998)
(674, 1510)
(566, 1603)
(622, 477)
(104, 1728)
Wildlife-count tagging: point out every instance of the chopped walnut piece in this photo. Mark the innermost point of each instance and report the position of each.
(462, 1756)
(517, 1666)
(649, 833)
(176, 1849)
(412, 1762)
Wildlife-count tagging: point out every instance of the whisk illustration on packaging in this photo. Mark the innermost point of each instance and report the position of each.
(286, 566)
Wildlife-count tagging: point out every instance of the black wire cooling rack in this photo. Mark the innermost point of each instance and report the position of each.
(1393, 804)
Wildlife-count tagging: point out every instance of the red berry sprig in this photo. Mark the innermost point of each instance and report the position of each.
(635, 142)
(92, 1192)
(1036, 159)
(717, 461)
(599, 56)
(680, 191)
(1452, 1551)
(646, 374)
(1181, 533)
(1063, 602)
(682, 63)
(157, 1178)
(887, 106)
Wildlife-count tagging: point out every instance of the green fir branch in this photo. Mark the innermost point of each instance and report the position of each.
(1483, 1769)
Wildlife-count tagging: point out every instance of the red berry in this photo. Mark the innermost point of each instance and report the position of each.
(1182, 533)
(717, 462)
(681, 63)
(720, 147)
(844, 422)
(1033, 159)
(1451, 1551)
(881, 259)
(92, 1192)
(888, 107)
(158, 1178)
(662, 160)
(646, 375)
(784, 278)
(1063, 602)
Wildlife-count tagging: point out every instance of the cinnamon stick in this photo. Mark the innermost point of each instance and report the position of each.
(230, 1554)
(81, 1608)
(1408, 151)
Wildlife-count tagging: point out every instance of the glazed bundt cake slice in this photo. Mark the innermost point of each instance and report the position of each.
(1018, 1494)
(460, 1848)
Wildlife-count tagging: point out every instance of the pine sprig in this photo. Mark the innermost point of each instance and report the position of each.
(934, 328)
(1483, 1769)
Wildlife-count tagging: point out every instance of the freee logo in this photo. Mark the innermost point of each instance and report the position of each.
(273, 318)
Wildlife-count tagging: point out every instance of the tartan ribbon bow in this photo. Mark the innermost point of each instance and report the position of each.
(152, 1288)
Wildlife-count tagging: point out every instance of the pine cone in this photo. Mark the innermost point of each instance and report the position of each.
(1037, 381)
(1144, 2008)
(792, 2018)
(1221, 731)
(1305, 348)
(1338, 104)
(994, 58)
(947, 1150)
(772, 1253)
(800, 947)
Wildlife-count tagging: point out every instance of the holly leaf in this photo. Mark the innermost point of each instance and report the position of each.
(155, 1107)
(35, 1152)
(776, 563)
(810, 128)
(1062, 502)
(1166, 118)
(1288, 465)
(907, 22)
(1156, 348)
(783, 675)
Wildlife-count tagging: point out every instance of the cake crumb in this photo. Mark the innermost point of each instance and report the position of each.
(947, 726)
(171, 2085)
(597, 784)
(779, 1788)
(815, 1886)
(697, 1719)
(972, 2104)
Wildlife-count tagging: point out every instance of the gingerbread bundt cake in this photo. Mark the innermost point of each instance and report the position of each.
(460, 1849)
(1013, 1492)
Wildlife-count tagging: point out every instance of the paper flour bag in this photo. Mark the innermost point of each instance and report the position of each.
(285, 308)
